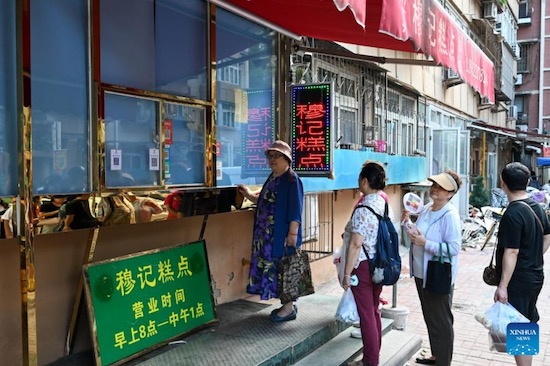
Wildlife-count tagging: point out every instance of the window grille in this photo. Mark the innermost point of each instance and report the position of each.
(317, 225)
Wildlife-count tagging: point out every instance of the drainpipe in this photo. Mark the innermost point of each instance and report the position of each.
(541, 62)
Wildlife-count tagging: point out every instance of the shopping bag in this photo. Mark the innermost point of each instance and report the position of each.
(347, 308)
(439, 274)
(496, 320)
(294, 277)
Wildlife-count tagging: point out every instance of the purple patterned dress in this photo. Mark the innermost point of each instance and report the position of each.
(263, 266)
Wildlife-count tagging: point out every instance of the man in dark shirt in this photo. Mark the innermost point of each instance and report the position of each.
(79, 215)
(523, 238)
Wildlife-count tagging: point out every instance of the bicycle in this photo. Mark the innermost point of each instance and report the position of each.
(495, 215)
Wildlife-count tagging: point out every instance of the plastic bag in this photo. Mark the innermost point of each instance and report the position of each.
(347, 309)
(339, 260)
(496, 319)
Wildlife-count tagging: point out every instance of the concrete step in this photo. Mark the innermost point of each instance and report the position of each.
(253, 339)
(341, 349)
(245, 336)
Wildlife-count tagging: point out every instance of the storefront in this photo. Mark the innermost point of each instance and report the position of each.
(101, 96)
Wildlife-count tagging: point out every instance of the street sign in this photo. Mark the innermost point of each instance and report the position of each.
(141, 301)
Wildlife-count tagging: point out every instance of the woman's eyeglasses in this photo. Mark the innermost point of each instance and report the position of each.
(274, 155)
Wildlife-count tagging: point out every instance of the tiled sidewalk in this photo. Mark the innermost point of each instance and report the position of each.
(471, 296)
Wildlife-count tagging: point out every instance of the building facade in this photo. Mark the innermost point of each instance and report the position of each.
(98, 96)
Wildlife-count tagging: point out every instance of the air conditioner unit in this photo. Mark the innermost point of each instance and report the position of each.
(449, 74)
(490, 10)
(517, 51)
(519, 79)
(513, 112)
(485, 101)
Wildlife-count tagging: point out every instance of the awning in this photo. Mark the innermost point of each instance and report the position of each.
(402, 25)
(493, 129)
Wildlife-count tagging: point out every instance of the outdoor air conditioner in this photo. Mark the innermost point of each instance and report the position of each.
(513, 112)
(485, 101)
(517, 51)
(449, 74)
(519, 79)
(490, 10)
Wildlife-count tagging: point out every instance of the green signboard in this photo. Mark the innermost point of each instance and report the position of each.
(141, 301)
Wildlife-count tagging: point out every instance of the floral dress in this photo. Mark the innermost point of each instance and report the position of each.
(263, 266)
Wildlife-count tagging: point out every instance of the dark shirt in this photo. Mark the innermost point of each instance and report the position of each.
(48, 207)
(83, 217)
(519, 229)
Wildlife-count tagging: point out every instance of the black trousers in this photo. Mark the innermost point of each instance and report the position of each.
(439, 321)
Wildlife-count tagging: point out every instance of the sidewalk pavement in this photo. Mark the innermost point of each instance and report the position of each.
(471, 296)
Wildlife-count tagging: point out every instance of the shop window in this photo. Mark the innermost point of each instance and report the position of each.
(132, 154)
(8, 113)
(184, 151)
(155, 45)
(245, 67)
(59, 96)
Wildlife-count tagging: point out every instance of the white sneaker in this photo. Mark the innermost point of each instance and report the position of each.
(356, 333)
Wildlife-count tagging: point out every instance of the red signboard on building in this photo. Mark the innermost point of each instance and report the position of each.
(311, 129)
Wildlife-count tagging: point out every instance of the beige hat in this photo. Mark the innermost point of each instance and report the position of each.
(445, 181)
(282, 147)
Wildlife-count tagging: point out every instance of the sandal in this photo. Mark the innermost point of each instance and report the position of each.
(275, 311)
(425, 361)
(278, 319)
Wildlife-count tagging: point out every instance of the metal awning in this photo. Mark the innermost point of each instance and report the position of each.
(493, 130)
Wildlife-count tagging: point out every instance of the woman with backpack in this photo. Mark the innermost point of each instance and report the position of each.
(360, 237)
(437, 233)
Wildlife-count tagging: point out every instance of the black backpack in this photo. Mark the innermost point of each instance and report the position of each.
(385, 267)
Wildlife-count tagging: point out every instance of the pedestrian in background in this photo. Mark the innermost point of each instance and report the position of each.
(523, 238)
(360, 240)
(438, 222)
(276, 226)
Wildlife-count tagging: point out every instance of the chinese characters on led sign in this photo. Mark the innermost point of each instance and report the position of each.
(257, 132)
(311, 136)
(144, 300)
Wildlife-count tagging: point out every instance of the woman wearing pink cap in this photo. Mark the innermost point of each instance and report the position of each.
(276, 226)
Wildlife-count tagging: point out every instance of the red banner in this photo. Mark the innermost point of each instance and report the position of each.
(433, 31)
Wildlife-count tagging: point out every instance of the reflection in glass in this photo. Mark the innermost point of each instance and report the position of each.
(59, 96)
(245, 105)
(147, 45)
(132, 155)
(184, 144)
(8, 114)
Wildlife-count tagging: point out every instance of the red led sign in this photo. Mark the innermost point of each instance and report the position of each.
(311, 139)
(257, 133)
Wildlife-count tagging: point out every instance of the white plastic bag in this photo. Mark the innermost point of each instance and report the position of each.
(496, 319)
(339, 260)
(347, 309)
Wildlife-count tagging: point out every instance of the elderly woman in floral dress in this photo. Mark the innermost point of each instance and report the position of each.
(276, 226)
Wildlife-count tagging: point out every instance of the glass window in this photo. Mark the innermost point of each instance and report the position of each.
(185, 150)
(132, 155)
(8, 107)
(59, 96)
(147, 45)
(246, 59)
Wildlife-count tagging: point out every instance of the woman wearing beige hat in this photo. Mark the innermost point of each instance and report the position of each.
(276, 226)
(437, 233)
